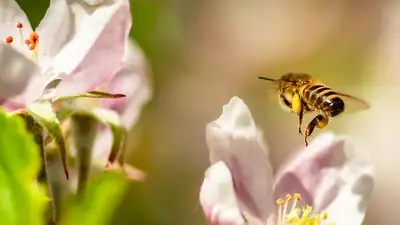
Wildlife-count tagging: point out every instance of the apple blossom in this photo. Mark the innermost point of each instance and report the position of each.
(333, 176)
(75, 43)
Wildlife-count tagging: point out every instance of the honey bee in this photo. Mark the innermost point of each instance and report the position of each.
(300, 93)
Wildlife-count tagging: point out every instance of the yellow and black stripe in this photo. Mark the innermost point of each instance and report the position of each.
(324, 99)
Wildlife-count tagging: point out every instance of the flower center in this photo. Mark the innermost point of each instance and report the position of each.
(32, 42)
(297, 216)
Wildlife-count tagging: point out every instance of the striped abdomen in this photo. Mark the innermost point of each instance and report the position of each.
(324, 99)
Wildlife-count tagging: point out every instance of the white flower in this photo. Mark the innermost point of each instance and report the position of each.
(81, 45)
(332, 175)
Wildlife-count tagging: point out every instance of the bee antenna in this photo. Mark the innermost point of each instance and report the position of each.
(266, 78)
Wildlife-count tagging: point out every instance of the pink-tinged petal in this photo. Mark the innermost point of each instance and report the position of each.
(217, 196)
(133, 80)
(234, 139)
(298, 174)
(94, 55)
(10, 15)
(334, 174)
(102, 145)
(54, 30)
(16, 72)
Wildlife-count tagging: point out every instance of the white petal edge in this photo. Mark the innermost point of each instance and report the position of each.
(234, 139)
(336, 174)
(357, 176)
(54, 31)
(95, 53)
(236, 118)
(217, 196)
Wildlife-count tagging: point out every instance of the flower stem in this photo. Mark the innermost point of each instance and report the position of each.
(43, 176)
(84, 131)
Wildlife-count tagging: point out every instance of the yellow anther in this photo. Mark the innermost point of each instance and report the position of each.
(307, 210)
(297, 196)
(288, 197)
(298, 216)
(292, 219)
(280, 201)
(324, 215)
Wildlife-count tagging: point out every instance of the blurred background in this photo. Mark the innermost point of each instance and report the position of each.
(206, 51)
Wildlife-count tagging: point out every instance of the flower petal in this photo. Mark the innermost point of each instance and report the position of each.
(95, 53)
(334, 173)
(133, 81)
(234, 139)
(11, 14)
(217, 196)
(16, 72)
(54, 30)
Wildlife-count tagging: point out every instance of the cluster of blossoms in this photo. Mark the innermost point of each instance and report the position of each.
(332, 175)
(80, 50)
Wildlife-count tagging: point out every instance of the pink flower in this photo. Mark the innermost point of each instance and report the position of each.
(79, 44)
(133, 80)
(332, 174)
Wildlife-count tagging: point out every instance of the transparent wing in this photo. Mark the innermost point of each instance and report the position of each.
(353, 104)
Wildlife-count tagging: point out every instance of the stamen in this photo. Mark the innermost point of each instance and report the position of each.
(32, 47)
(297, 198)
(297, 216)
(280, 203)
(34, 38)
(20, 25)
(9, 40)
(21, 33)
(34, 43)
(307, 210)
(288, 198)
(324, 215)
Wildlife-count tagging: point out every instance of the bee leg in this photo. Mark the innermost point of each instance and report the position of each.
(301, 120)
(319, 121)
(297, 107)
(285, 101)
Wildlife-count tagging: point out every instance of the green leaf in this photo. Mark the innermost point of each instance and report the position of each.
(43, 113)
(97, 204)
(22, 199)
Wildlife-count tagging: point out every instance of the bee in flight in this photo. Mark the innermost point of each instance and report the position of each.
(301, 93)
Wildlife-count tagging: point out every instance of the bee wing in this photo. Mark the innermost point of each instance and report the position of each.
(353, 104)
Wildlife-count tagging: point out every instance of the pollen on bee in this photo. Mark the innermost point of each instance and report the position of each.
(9, 40)
(20, 25)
